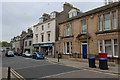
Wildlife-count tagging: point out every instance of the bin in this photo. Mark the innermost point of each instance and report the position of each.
(92, 62)
(59, 55)
(103, 55)
(103, 64)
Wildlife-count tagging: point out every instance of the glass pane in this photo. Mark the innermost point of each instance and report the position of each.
(108, 50)
(116, 50)
(114, 20)
(115, 41)
(107, 22)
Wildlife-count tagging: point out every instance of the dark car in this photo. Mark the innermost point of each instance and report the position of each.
(37, 55)
(19, 53)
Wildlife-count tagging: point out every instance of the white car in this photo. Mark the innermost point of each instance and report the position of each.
(10, 53)
(27, 54)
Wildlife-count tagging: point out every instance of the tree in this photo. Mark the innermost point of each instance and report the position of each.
(5, 44)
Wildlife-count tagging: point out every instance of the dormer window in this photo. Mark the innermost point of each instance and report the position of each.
(40, 20)
(53, 15)
(73, 12)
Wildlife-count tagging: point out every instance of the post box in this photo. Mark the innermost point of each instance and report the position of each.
(103, 55)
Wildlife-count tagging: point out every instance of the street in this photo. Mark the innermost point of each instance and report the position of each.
(35, 69)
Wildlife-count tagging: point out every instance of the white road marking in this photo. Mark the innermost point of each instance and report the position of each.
(60, 74)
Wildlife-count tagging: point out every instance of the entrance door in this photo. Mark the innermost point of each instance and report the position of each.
(84, 51)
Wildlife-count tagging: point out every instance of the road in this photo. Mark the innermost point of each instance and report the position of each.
(36, 69)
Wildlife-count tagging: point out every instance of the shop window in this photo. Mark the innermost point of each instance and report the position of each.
(100, 23)
(100, 46)
(114, 20)
(108, 48)
(107, 22)
(67, 47)
(83, 26)
(115, 48)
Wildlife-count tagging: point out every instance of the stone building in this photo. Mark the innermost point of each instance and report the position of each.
(91, 33)
(46, 32)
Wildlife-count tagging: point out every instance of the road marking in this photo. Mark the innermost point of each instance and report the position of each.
(32, 66)
(59, 74)
(84, 69)
(17, 75)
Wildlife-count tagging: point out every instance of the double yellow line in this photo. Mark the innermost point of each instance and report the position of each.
(17, 75)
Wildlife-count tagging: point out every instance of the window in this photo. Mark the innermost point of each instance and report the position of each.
(42, 27)
(67, 29)
(64, 48)
(48, 25)
(67, 47)
(83, 26)
(25, 43)
(30, 42)
(71, 47)
(71, 27)
(42, 37)
(36, 28)
(100, 23)
(36, 37)
(64, 30)
(100, 46)
(114, 20)
(108, 48)
(48, 37)
(115, 48)
(107, 22)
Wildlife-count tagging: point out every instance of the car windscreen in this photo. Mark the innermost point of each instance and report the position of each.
(10, 52)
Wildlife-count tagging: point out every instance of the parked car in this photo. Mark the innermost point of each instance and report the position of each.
(10, 53)
(37, 55)
(27, 54)
(19, 53)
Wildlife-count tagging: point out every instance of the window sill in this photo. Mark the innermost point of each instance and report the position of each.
(107, 31)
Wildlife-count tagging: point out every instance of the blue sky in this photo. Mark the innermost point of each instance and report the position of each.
(18, 16)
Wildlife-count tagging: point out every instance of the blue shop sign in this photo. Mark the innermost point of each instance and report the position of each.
(36, 45)
(46, 45)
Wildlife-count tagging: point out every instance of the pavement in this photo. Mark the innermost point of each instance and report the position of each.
(114, 69)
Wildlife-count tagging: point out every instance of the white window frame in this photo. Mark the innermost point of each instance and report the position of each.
(114, 27)
(68, 29)
(70, 47)
(114, 48)
(63, 47)
(99, 46)
(104, 22)
(99, 22)
(111, 47)
(66, 48)
(64, 30)
(83, 26)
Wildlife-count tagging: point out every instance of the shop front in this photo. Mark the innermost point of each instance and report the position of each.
(36, 47)
(47, 49)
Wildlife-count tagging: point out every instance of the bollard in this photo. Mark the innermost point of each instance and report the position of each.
(58, 58)
(8, 73)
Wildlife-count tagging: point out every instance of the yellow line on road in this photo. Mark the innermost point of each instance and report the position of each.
(22, 78)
